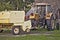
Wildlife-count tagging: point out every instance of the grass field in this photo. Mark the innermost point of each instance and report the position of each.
(54, 36)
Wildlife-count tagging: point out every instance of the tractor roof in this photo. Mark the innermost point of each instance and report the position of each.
(38, 4)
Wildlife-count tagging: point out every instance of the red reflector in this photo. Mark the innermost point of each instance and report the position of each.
(32, 14)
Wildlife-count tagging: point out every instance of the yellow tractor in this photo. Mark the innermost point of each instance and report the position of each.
(41, 14)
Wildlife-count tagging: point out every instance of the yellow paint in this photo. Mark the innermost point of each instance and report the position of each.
(48, 15)
(31, 17)
(4, 20)
(4, 17)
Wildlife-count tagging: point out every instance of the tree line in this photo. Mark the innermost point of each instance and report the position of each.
(14, 4)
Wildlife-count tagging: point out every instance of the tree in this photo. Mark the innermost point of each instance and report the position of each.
(11, 5)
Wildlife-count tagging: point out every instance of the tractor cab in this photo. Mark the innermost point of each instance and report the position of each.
(42, 9)
(42, 13)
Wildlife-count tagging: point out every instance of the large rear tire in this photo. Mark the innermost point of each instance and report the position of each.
(53, 24)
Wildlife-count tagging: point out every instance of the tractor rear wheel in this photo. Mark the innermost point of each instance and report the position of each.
(53, 24)
(50, 25)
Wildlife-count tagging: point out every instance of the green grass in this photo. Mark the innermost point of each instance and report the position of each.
(29, 37)
(54, 36)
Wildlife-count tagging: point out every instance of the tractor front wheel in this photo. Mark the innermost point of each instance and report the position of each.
(16, 30)
(1, 31)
